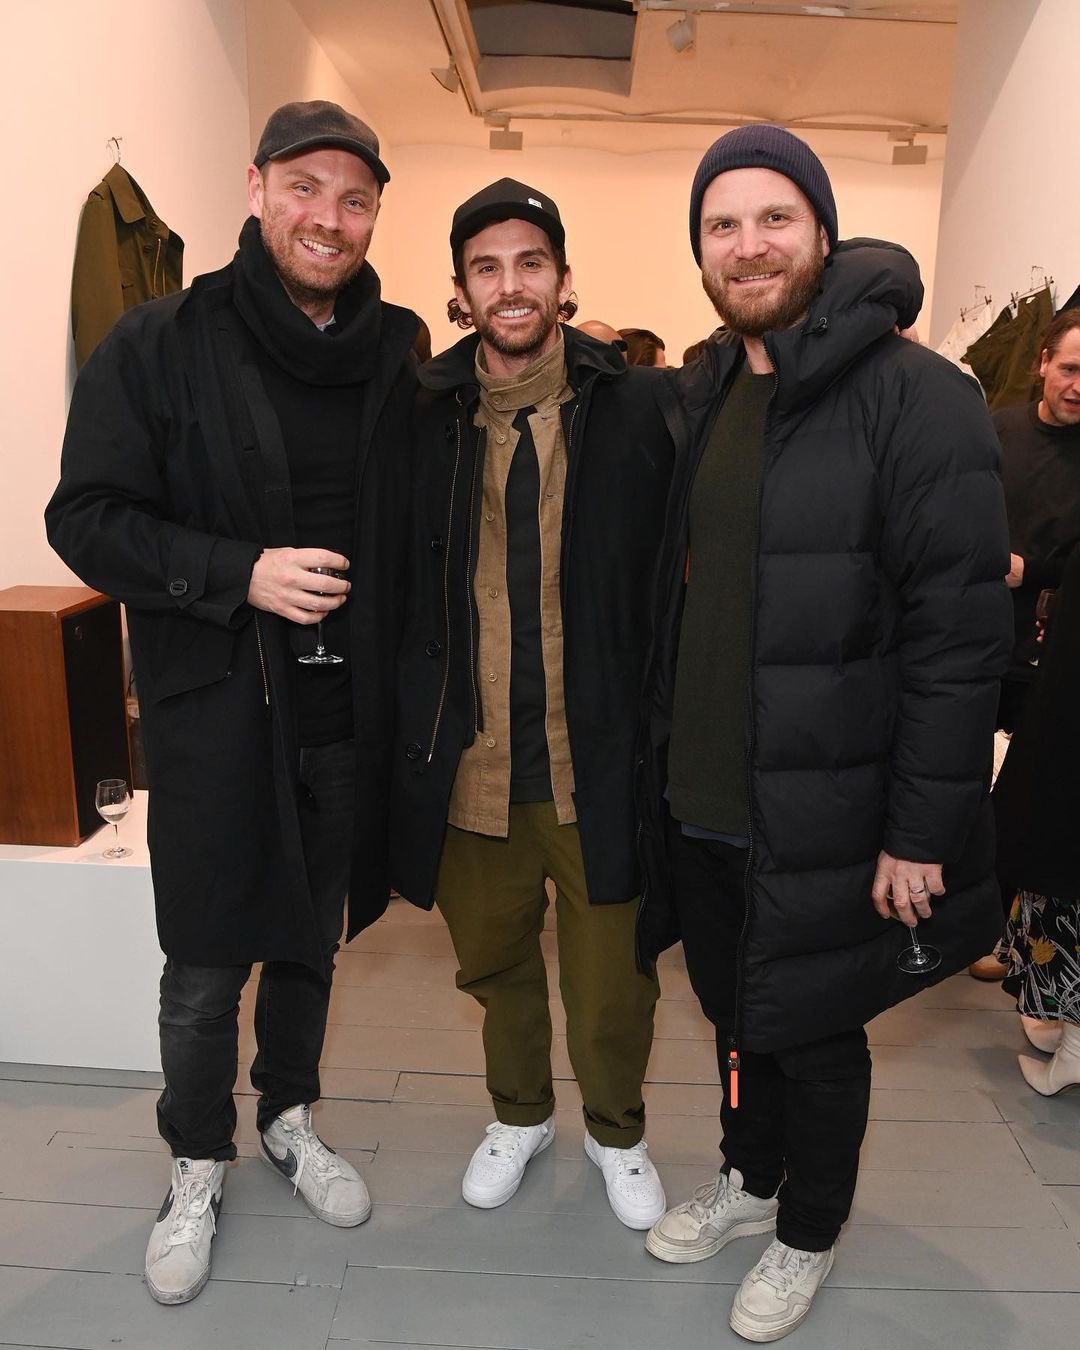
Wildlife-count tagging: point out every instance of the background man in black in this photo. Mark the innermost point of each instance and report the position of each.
(832, 621)
(222, 444)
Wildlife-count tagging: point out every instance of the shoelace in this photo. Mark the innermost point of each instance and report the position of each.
(710, 1197)
(503, 1139)
(192, 1203)
(311, 1152)
(781, 1266)
(632, 1161)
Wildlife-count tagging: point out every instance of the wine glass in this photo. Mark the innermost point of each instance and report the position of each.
(920, 958)
(113, 800)
(320, 656)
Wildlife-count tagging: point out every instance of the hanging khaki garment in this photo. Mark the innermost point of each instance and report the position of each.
(124, 254)
(1006, 357)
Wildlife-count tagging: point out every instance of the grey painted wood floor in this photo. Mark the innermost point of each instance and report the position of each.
(965, 1231)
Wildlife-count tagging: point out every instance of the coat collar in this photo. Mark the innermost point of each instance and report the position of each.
(586, 358)
(131, 202)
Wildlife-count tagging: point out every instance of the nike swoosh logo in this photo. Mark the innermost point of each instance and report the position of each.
(287, 1165)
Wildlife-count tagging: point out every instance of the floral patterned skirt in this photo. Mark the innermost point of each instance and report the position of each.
(1041, 946)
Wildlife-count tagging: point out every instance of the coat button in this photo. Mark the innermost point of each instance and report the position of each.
(448, 431)
(436, 544)
(493, 591)
(489, 515)
(433, 648)
(492, 676)
(490, 742)
(178, 586)
(413, 750)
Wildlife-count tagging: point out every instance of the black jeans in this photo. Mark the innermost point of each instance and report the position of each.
(802, 1112)
(199, 1004)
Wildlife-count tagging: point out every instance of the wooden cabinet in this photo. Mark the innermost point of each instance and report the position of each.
(62, 716)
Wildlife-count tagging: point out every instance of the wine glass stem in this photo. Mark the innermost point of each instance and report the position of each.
(116, 832)
(319, 648)
(915, 947)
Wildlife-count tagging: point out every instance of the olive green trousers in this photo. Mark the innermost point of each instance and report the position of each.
(493, 895)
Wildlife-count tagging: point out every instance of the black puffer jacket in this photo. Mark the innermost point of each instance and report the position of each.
(619, 438)
(881, 627)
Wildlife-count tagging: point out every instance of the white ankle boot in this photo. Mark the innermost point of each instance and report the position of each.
(1044, 1036)
(1051, 1076)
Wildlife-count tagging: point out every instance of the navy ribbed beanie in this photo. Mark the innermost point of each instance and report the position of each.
(764, 147)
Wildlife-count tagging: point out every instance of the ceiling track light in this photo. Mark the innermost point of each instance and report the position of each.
(904, 150)
(505, 139)
(448, 77)
(682, 33)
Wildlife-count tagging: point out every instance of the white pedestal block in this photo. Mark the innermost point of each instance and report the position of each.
(79, 956)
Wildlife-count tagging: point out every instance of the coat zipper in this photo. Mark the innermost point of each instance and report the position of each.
(154, 279)
(735, 1040)
(262, 664)
(446, 592)
(470, 575)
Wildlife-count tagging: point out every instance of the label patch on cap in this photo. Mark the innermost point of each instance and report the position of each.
(533, 202)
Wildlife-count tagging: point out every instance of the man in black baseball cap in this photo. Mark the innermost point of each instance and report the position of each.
(831, 622)
(520, 676)
(233, 472)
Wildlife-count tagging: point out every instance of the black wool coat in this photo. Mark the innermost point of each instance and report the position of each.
(167, 496)
(1037, 795)
(881, 624)
(619, 461)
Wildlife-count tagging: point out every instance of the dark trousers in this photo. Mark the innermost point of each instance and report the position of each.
(802, 1112)
(199, 1004)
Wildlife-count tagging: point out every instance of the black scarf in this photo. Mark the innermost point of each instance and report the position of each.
(344, 354)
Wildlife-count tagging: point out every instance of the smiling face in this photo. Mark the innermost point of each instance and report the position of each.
(762, 250)
(1060, 403)
(317, 211)
(511, 288)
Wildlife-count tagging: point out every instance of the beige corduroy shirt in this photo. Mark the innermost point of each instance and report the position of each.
(480, 800)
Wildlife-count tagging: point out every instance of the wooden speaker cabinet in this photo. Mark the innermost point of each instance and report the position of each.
(62, 714)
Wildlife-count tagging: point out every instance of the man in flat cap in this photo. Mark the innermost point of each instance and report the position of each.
(831, 624)
(543, 466)
(235, 471)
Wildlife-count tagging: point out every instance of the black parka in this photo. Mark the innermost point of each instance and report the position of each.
(619, 459)
(880, 628)
(166, 498)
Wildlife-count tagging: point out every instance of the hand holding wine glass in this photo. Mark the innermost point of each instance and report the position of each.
(320, 656)
(113, 801)
(287, 582)
(902, 891)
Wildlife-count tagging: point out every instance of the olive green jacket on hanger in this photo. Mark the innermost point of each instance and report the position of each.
(124, 254)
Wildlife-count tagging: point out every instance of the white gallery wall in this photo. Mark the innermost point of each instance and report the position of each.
(169, 79)
(1011, 191)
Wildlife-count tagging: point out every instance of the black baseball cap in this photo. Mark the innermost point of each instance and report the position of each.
(506, 200)
(301, 126)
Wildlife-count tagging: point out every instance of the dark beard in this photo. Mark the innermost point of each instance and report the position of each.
(526, 342)
(301, 289)
(753, 316)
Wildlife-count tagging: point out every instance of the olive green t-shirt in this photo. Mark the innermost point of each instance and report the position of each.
(707, 783)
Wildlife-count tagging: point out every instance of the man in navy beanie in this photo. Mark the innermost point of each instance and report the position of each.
(830, 627)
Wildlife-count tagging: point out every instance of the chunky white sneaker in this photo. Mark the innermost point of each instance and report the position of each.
(719, 1212)
(634, 1189)
(331, 1187)
(178, 1253)
(495, 1170)
(777, 1294)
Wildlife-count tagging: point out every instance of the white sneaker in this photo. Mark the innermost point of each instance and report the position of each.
(332, 1188)
(719, 1212)
(634, 1190)
(777, 1294)
(495, 1170)
(178, 1253)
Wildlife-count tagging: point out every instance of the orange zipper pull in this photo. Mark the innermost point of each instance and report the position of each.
(733, 1069)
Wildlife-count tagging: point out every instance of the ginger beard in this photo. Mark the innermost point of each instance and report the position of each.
(321, 277)
(777, 306)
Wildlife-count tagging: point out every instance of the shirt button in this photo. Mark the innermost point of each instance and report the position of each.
(493, 591)
(492, 676)
(489, 515)
(490, 742)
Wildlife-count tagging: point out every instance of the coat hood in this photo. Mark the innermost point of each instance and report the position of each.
(585, 356)
(868, 288)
